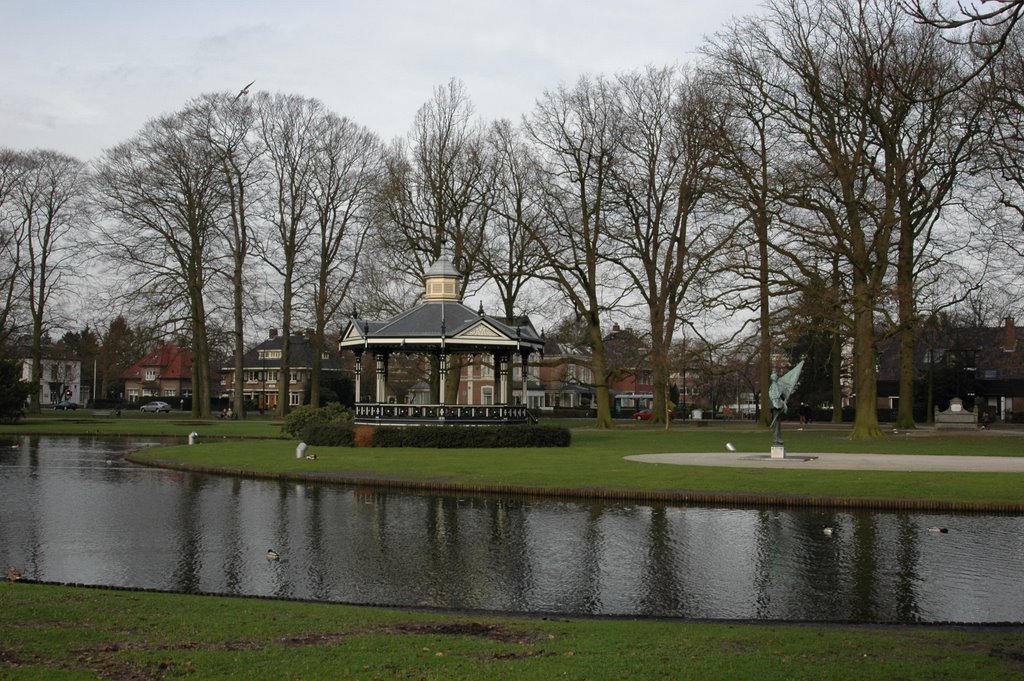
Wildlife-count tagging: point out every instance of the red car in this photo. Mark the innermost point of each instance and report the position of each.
(645, 415)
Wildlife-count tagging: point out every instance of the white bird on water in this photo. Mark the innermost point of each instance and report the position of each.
(828, 531)
(273, 555)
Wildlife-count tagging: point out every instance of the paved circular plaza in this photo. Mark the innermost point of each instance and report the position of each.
(837, 462)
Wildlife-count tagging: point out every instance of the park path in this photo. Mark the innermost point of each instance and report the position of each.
(842, 462)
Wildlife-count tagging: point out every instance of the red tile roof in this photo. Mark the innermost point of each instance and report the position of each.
(172, 361)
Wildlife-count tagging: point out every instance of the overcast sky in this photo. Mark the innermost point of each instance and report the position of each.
(79, 76)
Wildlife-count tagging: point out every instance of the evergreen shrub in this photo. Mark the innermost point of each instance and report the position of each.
(304, 415)
(459, 437)
(441, 437)
(329, 434)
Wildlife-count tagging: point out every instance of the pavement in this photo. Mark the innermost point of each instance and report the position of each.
(842, 462)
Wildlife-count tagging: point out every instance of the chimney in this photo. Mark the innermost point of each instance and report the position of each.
(615, 327)
(273, 333)
(1011, 336)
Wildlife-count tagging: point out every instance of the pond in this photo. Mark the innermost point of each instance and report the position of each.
(72, 510)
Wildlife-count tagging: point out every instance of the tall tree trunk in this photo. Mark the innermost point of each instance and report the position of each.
(599, 365)
(865, 375)
(907, 325)
(764, 339)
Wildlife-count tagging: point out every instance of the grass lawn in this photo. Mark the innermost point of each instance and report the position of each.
(51, 632)
(595, 460)
(134, 422)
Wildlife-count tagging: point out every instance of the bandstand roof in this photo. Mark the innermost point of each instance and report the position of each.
(442, 321)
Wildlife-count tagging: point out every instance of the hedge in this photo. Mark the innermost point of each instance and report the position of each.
(329, 434)
(441, 437)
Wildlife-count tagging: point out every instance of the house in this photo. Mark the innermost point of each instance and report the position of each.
(564, 378)
(983, 366)
(628, 359)
(164, 372)
(261, 368)
(60, 379)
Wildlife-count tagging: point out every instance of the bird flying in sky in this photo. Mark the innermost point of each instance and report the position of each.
(244, 91)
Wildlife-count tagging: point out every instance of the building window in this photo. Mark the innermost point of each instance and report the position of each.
(294, 399)
(170, 392)
(296, 376)
(151, 374)
(487, 396)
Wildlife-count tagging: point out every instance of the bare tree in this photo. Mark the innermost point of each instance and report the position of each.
(12, 241)
(985, 25)
(753, 151)
(434, 198)
(50, 205)
(577, 133)
(289, 126)
(346, 167)
(161, 193)
(510, 256)
(433, 194)
(829, 98)
(664, 178)
(228, 124)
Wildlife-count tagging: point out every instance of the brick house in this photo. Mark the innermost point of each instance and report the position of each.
(165, 372)
(261, 368)
(983, 366)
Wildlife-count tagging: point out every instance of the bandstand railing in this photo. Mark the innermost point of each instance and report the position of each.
(434, 414)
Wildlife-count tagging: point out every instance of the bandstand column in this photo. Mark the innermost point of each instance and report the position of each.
(359, 376)
(500, 377)
(525, 357)
(442, 370)
(382, 376)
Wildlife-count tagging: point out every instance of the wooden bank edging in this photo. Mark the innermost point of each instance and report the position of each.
(700, 498)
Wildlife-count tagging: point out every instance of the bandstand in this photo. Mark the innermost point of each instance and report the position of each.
(438, 328)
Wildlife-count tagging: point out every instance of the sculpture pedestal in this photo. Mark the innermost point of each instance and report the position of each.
(778, 452)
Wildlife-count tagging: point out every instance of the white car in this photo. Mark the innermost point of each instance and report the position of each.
(156, 406)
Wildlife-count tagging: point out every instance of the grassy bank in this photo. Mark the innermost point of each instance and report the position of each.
(595, 460)
(54, 632)
(175, 424)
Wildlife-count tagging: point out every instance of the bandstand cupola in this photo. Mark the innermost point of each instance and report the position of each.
(441, 281)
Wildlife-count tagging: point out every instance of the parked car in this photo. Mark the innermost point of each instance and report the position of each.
(645, 415)
(156, 407)
(65, 405)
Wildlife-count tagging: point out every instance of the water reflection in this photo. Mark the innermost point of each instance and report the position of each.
(71, 510)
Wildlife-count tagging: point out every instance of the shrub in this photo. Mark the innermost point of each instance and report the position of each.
(456, 437)
(304, 415)
(329, 434)
(440, 437)
(13, 392)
